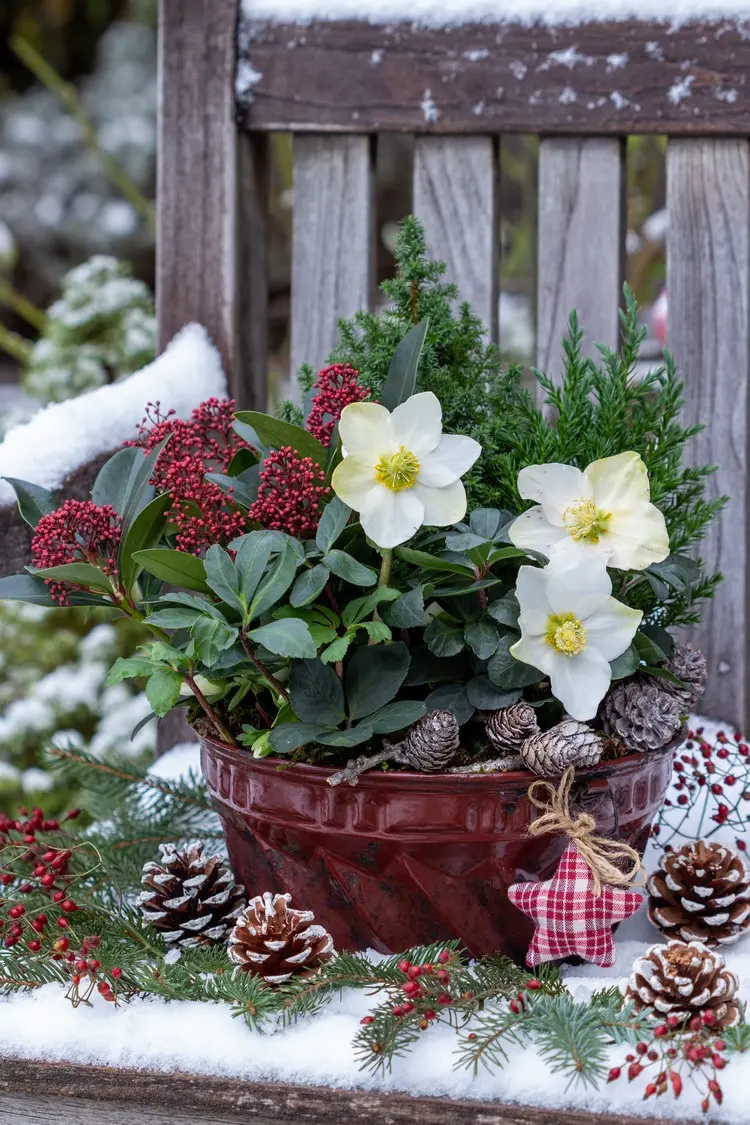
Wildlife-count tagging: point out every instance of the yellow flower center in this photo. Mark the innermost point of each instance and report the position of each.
(566, 633)
(584, 521)
(397, 470)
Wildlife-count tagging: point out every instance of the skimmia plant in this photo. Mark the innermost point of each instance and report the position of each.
(314, 587)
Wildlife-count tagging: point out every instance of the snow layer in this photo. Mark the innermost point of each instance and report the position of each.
(58, 440)
(205, 1039)
(442, 13)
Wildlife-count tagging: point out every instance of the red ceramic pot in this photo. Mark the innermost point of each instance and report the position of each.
(405, 859)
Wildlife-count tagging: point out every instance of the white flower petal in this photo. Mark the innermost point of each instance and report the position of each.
(579, 589)
(637, 537)
(365, 431)
(453, 457)
(532, 531)
(531, 591)
(352, 482)
(417, 424)
(611, 629)
(555, 487)
(442, 506)
(619, 482)
(535, 651)
(390, 518)
(580, 682)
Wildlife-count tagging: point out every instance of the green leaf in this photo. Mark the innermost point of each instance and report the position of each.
(337, 650)
(443, 638)
(626, 664)
(316, 693)
(247, 433)
(648, 651)
(308, 585)
(483, 695)
(175, 567)
(482, 637)
(425, 668)
(33, 501)
(402, 372)
(459, 591)
(505, 610)
(128, 668)
(111, 485)
(253, 553)
(508, 673)
(352, 736)
(276, 584)
(177, 618)
(373, 677)
(289, 636)
(360, 608)
(144, 532)
(222, 577)
(211, 638)
(80, 574)
(242, 492)
(377, 631)
(333, 521)
(290, 736)
(276, 434)
(193, 602)
(407, 612)
(464, 541)
(29, 588)
(486, 522)
(451, 697)
(243, 460)
(397, 716)
(432, 562)
(346, 567)
(502, 553)
(163, 690)
(139, 491)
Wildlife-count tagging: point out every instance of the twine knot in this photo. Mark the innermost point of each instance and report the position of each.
(600, 854)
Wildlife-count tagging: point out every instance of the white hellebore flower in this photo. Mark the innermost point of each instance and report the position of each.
(399, 470)
(571, 627)
(606, 510)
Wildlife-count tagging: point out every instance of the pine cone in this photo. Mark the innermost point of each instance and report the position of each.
(683, 980)
(642, 714)
(700, 893)
(431, 743)
(570, 743)
(273, 941)
(508, 728)
(192, 899)
(690, 666)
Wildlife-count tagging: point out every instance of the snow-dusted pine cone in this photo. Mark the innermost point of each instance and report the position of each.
(191, 898)
(570, 743)
(642, 714)
(508, 728)
(432, 742)
(690, 666)
(684, 979)
(701, 893)
(276, 942)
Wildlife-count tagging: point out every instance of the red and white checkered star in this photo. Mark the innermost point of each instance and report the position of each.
(570, 918)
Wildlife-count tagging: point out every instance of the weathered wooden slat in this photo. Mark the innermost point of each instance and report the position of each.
(599, 77)
(581, 242)
(455, 196)
(332, 240)
(20, 1110)
(708, 282)
(206, 232)
(220, 1100)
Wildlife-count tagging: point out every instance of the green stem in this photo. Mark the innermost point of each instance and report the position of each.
(275, 684)
(11, 297)
(14, 345)
(385, 567)
(68, 95)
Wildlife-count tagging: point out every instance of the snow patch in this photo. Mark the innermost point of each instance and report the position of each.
(568, 96)
(377, 57)
(429, 108)
(681, 89)
(518, 70)
(617, 62)
(476, 56)
(58, 440)
(619, 101)
(247, 78)
(723, 95)
(571, 57)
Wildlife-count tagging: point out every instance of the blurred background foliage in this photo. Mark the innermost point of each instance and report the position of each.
(77, 183)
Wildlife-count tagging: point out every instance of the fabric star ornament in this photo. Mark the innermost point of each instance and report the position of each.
(570, 918)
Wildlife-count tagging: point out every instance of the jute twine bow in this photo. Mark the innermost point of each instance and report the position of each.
(599, 853)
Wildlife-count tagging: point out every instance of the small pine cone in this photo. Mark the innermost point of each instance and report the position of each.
(273, 941)
(191, 898)
(684, 980)
(700, 893)
(570, 743)
(690, 666)
(642, 714)
(508, 728)
(431, 743)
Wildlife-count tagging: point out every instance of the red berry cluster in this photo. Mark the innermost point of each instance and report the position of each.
(677, 1052)
(716, 776)
(200, 511)
(290, 494)
(426, 990)
(79, 531)
(336, 387)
